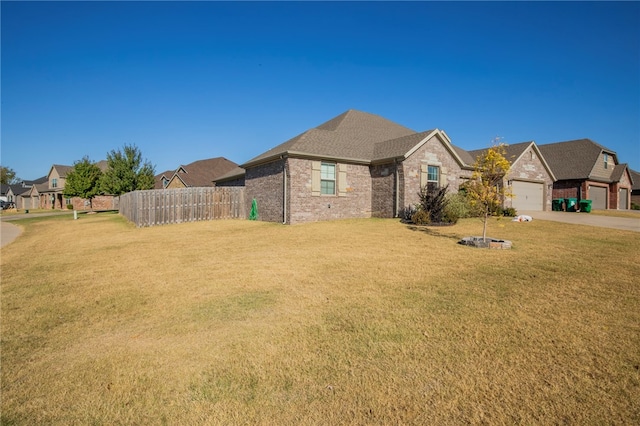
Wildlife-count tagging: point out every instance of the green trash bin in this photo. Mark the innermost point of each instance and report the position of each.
(585, 206)
(556, 204)
(572, 204)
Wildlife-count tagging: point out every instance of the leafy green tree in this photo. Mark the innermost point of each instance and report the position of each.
(83, 180)
(8, 176)
(127, 172)
(486, 189)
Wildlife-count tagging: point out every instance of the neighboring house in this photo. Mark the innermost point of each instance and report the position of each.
(49, 195)
(530, 178)
(197, 174)
(161, 180)
(586, 170)
(355, 165)
(635, 188)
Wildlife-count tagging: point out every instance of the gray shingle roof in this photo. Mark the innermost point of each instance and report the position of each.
(618, 171)
(635, 177)
(203, 172)
(573, 159)
(62, 169)
(352, 135)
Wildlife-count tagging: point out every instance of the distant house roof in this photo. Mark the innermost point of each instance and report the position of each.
(635, 177)
(28, 183)
(61, 169)
(352, 135)
(167, 174)
(202, 172)
(236, 173)
(573, 159)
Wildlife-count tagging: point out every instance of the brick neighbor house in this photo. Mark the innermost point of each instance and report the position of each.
(635, 188)
(530, 178)
(586, 170)
(360, 165)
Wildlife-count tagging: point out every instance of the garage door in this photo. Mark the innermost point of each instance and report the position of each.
(527, 195)
(598, 197)
(624, 197)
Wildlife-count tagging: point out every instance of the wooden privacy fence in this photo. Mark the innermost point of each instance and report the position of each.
(164, 206)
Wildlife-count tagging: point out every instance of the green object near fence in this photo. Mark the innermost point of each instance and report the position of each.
(254, 210)
(585, 206)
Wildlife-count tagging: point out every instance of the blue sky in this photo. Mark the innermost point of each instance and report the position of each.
(195, 80)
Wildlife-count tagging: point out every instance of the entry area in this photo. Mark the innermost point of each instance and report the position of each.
(527, 195)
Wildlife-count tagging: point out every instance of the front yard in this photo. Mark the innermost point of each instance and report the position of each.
(346, 322)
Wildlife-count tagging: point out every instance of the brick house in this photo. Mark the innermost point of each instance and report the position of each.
(49, 195)
(356, 165)
(586, 170)
(635, 188)
(200, 173)
(530, 178)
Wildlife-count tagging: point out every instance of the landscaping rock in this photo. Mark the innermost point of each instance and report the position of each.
(492, 243)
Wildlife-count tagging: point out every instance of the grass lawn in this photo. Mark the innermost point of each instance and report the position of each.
(345, 322)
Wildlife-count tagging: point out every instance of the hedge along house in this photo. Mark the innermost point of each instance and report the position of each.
(530, 178)
(586, 170)
(356, 165)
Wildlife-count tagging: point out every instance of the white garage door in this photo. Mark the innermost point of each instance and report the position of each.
(527, 195)
(624, 197)
(598, 197)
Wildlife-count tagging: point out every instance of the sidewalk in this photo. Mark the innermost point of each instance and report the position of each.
(8, 233)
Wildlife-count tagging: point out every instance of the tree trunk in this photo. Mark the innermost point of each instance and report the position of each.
(484, 227)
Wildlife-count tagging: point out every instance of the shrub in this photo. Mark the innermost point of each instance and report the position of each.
(69, 206)
(433, 201)
(635, 206)
(509, 212)
(421, 217)
(458, 206)
(406, 215)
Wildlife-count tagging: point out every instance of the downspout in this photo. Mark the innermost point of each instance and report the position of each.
(397, 212)
(284, 190)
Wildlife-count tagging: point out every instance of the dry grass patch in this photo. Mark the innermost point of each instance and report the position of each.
(347, 322)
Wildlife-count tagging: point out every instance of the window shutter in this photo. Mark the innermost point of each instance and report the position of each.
(424, 169)
(443, 176)
(315, 178)
(342, 180)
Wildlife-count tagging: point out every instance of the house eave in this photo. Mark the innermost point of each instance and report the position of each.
(304, 155)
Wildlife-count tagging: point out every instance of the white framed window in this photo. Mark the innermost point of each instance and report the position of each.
(327, 178)
(54, 183)
(433, 176)
(606, 159)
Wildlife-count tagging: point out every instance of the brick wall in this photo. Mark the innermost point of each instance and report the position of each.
(383, 194)
(305, 207)
(568, 189)
(265, 184)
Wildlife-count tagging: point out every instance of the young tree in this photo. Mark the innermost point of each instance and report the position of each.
(83, 180)
(8, 176)
(486, 189)
(127, 172)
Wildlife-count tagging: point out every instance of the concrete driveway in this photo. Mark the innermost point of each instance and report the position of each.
(624, 223)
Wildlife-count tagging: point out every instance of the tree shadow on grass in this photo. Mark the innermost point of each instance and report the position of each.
(433, 231)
